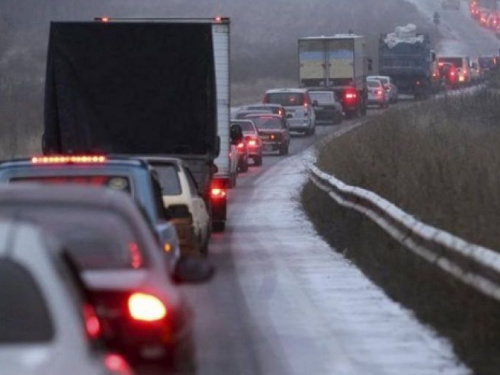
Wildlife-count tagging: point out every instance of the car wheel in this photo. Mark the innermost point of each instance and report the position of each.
(258, 160)
(219, 226)
(244, 165)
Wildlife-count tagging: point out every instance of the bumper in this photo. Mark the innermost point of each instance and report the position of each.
(326, 115)
(299, 124)
(376, 100)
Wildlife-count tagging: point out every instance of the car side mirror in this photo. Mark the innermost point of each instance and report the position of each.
(193, 270)
(236, 133)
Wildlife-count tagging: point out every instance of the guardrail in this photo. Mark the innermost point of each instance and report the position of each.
(476, 266)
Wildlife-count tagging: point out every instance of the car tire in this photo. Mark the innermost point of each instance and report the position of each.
(258, 160)
(244, 165)
(218, 226)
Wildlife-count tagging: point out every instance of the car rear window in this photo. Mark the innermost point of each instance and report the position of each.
(169, 179)
(95, 238)
(323, 97)
(373, 84)
(267, 122)
(24, 314)
(245, 126)
(286, 99)
(121, 183)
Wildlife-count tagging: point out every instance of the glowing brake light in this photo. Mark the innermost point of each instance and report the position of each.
(115, 363)
(77, 159)
(252, 142)
(92, 324)
(379, 92)
(217, 193)
(240, 145)
(135, 255)
(146, 308)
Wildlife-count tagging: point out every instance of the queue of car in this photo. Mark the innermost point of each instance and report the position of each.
(488, 18)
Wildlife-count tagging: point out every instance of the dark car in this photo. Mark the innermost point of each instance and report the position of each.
(129, 175)
(273, 131)
(143, 312)
(326, 106)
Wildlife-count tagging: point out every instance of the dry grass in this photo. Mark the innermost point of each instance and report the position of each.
(438, 160)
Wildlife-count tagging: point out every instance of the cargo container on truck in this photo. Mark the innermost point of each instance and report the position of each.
(143, 87)
(407, 57)
(337, 62)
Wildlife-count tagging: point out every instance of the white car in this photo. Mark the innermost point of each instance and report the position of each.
(46, 327)
(299, 108)
(189, 211)
(389, 87)
(376, 93)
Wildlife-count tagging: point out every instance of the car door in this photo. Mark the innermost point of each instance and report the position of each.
(201, 217)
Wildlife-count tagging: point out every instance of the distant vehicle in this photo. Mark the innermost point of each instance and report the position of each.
(129, 175)
(277, 109)
(450, 4)
(483, 17)
(493, 20)
(338, 62)
(377, 94)
(327, 107)
(449, 75)
(46, 315)
(407, 57)
(144, 314)
(462, 64)
(476, 73)
(389, 87)
(273, 132)
(252, 140)
(488, 64)
(186, 206)
(299, 108)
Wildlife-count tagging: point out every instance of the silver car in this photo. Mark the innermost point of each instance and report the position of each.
(46, 326)
(299, 108)
(389, 87)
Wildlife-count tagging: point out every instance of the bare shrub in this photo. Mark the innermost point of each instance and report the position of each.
(438, 160)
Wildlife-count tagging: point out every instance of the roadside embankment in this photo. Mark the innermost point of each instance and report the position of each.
(439, 161)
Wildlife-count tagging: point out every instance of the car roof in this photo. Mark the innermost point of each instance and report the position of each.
(110, 160)
(162, 159)
(273, 115)
(288, 90)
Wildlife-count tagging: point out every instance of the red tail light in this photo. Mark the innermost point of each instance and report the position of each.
(92, 323)
(146, 307)
(62, 159)
(240, 145)
(135, 255)
(115, 363)
(252, 142)
(217, 193)
(350, 96)
(379, 92)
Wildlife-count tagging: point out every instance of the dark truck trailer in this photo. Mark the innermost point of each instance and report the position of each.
(410, 62)
(142, 87)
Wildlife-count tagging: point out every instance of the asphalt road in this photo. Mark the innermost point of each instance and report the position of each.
(284, 303)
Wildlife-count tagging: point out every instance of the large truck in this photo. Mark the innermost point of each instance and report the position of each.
(144, 87)
(336, 62)
(407, 57)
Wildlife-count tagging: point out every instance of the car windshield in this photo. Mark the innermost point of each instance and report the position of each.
(96, 238)
(286, 99)
(24, 314)
(169, 179)
(323, 97)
